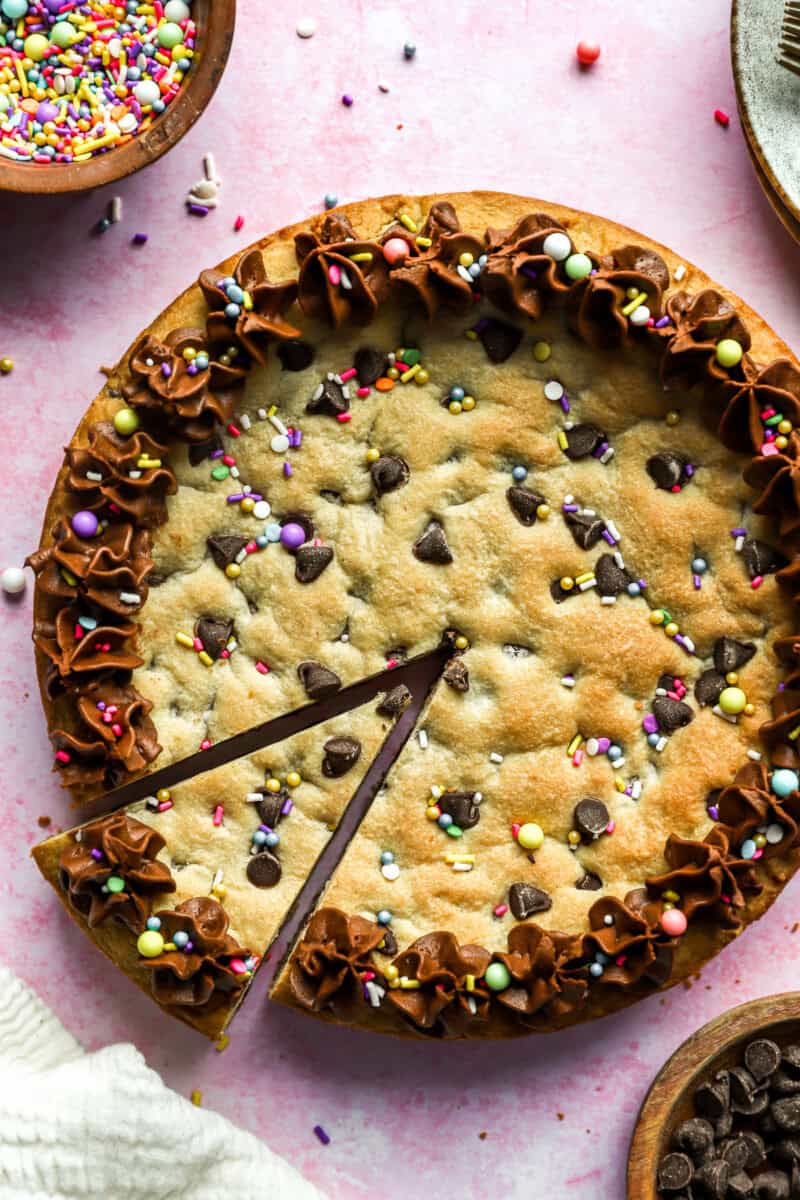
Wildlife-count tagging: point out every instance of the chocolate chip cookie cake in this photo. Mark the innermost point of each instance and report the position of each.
(414, 616)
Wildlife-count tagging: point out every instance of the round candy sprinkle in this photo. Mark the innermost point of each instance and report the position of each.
(292, 536)
(12, 580)
(384, 917)
(6, 363)
(578, 266)
(85, 523)
(395, 250)
(596, 970)
(699, 566)
(331, 200)
(115, 884)
(729, 352)
(784, 781)
(293, 779)
(347, 100)
(557, 246)
(126, 421)
(390, 871)
(541, 351)
(80, 78)
(386, 857)
(153, 922)
(530, 836)
(409, 50)
(181, 939)
(747, 848)
(150, 943)
(732, 700)
(519, 474)
(306, 27)
(587, 53)
(674, 922)
(497, 977)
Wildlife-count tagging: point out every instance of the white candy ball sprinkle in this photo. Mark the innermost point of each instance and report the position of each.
(279, 444)
(390, 871)
(177, 11)
(306, 27)
(557, 246)
(553, 390)
(261, 510)
(640, 315)
(147, 92)
(12, 580)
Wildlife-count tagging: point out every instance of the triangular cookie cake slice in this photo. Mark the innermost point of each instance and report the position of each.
(185, 890)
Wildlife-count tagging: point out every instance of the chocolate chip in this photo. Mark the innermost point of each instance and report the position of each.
(270, 807)
(330, 399)
(786, 1113)
(740, 1186)
(712, 1179)
(723, 1125)
(729, 654)
(295, 355)
(611, 579)
(766, 1125)
(667, 470)
(432, 547)
(786, 1151)
(341, 753)
(524, 502)
(675, 1172)
(736, 1153)
(310, 562)
(671, 714)
(370, 363)
(771, 1185)
(591, 817)
(264, 869)
(694, 1137)
(713, 1098)
(709, 687)
(389, 943)
(760, 558)
(755, 1147)
(524, 900)
(389, 473)
(583, 440)
(318, 681)
(589, 882)
(214, 634)
(456, 674)
(199, 451)
(463, 807)
(790, 1057)
(225, 547)
(586, 531)
(762, 1058)
(743, 1085)
(784, 1084)
(396, 700)
(498, 339)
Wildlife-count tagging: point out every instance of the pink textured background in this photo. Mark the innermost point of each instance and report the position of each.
(494, 100)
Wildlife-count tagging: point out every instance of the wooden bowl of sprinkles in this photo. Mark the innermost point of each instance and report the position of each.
(215, 21)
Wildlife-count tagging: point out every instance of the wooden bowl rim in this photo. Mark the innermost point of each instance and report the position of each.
(684, 1070)
(192, 99)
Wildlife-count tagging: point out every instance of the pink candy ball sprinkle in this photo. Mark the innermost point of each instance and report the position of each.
(587, 53)
(395, 250)
(673, 922)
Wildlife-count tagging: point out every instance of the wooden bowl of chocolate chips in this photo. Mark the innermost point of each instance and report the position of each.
(722, 1118)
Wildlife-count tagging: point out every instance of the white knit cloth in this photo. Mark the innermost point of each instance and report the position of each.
(104, 1127)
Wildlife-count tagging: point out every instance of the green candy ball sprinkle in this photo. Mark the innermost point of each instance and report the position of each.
(126, 422)
(115, 884)
(497, 977)
(729, 352)
(578, 266)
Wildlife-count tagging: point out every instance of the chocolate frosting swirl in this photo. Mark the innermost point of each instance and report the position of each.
(775, 386)
(255, 327)
(97, 570)
(706, 876)
(777, 477)
(329, 251)
(636, 946)
(335, 952)
(141, 496)
(442, 1001)
(188, 399)
(775, 733)
(76, 651)
(101, 750)
(518, 275)
(749, 802)
(536, 961)
(700, 322)
(115, 847)
(594, 304)
(430, 277)
(203, 976)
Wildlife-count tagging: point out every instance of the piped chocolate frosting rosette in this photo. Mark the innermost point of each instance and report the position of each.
(333, 960)
(342, 278)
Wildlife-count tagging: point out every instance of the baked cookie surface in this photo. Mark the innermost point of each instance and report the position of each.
(526, 434)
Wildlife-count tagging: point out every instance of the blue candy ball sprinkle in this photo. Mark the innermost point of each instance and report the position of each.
(518, 474)
(386, 857)
(153, 922)
(384, 917)
(445, 820)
